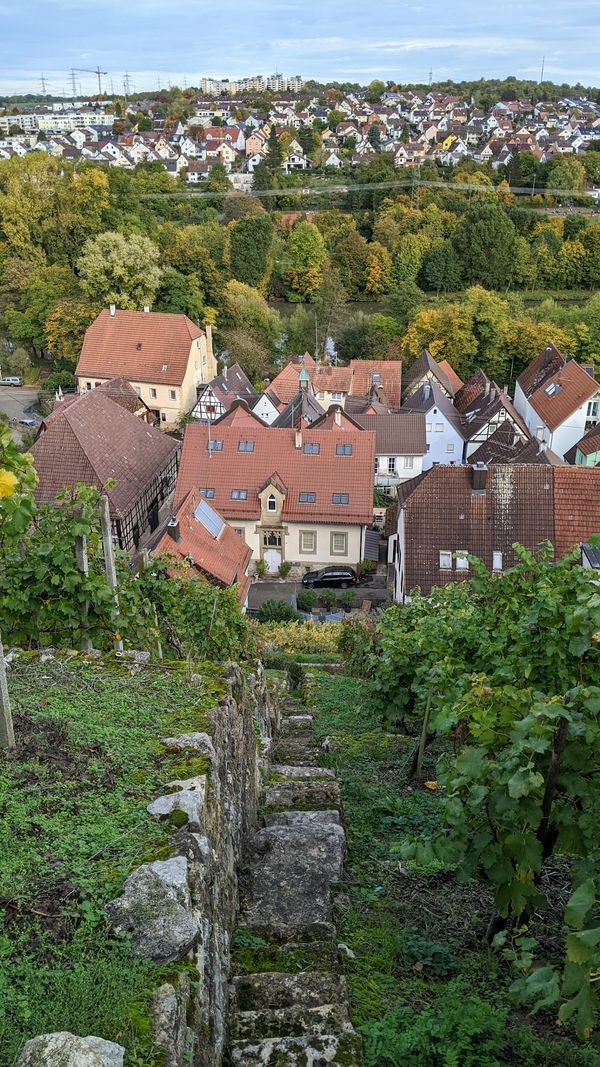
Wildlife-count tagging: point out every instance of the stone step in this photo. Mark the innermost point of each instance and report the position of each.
(296, 752)
(291, 881)
(302, 818)
(297, 723)
(338, 1050)
(255, 992)
(295, 1021)
(309, 795)
(292, 957)
(285, 771)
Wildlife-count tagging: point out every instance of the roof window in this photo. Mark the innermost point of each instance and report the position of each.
(340, 498)
(311, 448)
(245, 446)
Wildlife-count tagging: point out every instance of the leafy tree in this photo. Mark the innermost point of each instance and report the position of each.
(566, 175)
(247, 348)
(64, 328)
(245, 309)
(374, 136)
(330, 303)
(591, 163)
(484, 241)
(334, 118)
(306, 256)
(440, 268)
(351, 256)
(17, 483)
(300, 330)
(250, 250)
(274, 157)
(118, 270)
(180, 294)
(379, 272)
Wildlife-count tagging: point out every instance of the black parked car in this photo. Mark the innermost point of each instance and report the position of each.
(330, 578)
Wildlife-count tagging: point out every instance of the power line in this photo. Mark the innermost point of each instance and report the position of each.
(400, 184)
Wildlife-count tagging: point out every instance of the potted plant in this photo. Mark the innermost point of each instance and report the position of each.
(260, 568)
(347, 599)
(285, 568)
(327, 598)
(306, 600)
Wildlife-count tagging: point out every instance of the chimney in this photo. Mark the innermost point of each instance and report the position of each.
(173, 529)
(208, 332)
(146, 309)
(488, 386)
(112, 309)
(298, 439)
(338, 416)
(426, 390)
(225, 371)
(479, 477)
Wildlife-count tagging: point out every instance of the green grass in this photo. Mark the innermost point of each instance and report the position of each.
(73, 826)
(425, 989)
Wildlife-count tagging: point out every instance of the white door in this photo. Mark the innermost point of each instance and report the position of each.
(272, 558)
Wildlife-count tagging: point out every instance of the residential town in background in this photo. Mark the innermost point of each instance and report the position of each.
(414, 126)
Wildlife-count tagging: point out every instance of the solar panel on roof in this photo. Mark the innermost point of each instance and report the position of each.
(209, 518)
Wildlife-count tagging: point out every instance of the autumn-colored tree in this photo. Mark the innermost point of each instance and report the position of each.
(379, 271)
(65, 327)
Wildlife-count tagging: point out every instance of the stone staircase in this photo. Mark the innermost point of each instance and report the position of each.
(289, 1002)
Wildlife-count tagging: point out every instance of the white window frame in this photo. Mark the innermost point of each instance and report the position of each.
(439, 427)
(496, 561)
(391, 465)
(462, 563)
(344, 539)
(308, 542)
(445, 560)
(153, 394)
(271, 502)
(450, 446)
(408, 463)
(172, 394)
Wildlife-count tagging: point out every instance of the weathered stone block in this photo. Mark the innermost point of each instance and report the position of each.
(63, 1049)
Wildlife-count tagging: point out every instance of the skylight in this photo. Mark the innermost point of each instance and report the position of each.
(209, 518)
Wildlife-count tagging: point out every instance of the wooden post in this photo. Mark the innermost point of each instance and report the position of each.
(423, 739)
(7, 734)
(82, 562)
(109, 562)
(145, 560)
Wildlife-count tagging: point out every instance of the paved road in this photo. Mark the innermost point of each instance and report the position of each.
(15, 404)
(265, 590)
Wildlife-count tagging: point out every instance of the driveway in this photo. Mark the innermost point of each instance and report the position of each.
(273, 590)
(15, 403)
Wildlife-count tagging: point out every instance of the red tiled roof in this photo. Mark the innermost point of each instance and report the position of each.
(275, 455)
(451, 374)
(547, 363)
(590, 442)
(137, 345)
(576, 506)
(92, 440)
(390, 378)
(570, 387)
(224, 558)
(286, 384)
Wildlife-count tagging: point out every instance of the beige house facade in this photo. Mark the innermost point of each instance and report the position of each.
(165, 358)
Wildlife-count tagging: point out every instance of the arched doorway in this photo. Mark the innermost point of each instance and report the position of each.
(272, 549)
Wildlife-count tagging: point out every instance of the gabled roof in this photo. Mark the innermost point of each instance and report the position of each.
(302, 408)
(587, 445)
(384, 375)
(428, 396)
(93, 439)
(451, 374)
(505, 445)
(136, 345)
(543, 366)
(207, 542)
(285, 385)
(423, 366)
(485, 401)
(280, 453)
(232, 384)
(400, 434)
(563, 393)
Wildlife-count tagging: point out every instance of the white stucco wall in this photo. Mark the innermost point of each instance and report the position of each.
(438, 441)
(291, 549)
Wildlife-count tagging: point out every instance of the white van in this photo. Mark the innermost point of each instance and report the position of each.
(11, 381)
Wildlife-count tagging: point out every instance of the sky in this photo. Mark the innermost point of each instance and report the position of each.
(179, 41)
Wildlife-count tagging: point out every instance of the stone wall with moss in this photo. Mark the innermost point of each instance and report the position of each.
(178, 909)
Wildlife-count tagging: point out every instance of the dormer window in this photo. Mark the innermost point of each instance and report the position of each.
(164, 366)
(271, 503)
